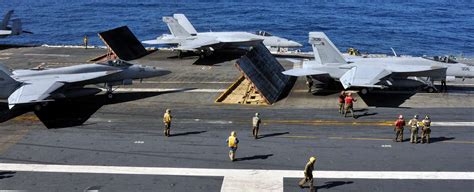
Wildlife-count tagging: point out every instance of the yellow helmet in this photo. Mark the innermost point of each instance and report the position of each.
(312, 159)
(233, 133)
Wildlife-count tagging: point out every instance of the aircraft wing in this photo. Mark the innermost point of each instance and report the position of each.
(154, 42)
(35, 90)
(191, 45)
(303, 72)
(162, 41)
(33, 93)
(363, 76)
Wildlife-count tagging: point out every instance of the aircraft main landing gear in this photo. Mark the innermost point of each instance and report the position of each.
(110, 91)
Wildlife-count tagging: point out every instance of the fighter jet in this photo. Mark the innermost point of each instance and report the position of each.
(367, 73)
(14, 29)
(187, 38)
(40, 86)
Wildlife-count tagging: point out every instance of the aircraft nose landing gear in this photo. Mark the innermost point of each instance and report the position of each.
(110, 91)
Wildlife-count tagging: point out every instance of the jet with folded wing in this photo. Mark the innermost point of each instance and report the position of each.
(41, 86)
(367, 73)
(14, 29)
(187, 38)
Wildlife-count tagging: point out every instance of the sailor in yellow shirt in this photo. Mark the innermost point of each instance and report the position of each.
(167, 121)
(308, 174)
(232, 143)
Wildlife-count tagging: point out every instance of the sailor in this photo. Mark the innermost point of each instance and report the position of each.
(444, 88)
(414, 129)
(426, 130)
(85, 41)
(399, 124)
(340, 102)
(308, 174)
(232, 143)
(167, 121)
(309, 83)
(256, 125)
(349, 101)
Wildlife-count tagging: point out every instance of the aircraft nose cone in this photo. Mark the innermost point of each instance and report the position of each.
(295, 44)
(160, 72)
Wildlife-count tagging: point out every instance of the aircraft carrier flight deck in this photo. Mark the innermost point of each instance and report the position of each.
(121, 147)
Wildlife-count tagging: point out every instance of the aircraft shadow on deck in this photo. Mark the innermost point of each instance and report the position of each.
(220, 57)
(217, 57)
(74, 112)
(386, 99)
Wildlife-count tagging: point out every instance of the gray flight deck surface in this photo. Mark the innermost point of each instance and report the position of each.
(295, 128)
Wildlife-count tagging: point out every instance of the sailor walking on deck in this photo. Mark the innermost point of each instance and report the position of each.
(232, 143)
(308, 174)
(256, 125)
(167, 121)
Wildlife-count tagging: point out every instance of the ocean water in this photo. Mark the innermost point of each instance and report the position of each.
(414, 28)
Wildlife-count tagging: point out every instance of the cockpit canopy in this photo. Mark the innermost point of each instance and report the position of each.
(263, 33)
(444, 59)
(118, 63)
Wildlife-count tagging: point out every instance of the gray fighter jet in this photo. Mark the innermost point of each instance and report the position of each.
(41, 86)
(367, 73)
(187, 38)
(14, 29)
(454, 70)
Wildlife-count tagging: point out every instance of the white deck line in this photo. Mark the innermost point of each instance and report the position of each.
(453, 124)
(238, 179)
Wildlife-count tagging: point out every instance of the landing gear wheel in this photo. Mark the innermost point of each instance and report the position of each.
(110, 95)
(430, 90)
(38, 107)
(364, 91)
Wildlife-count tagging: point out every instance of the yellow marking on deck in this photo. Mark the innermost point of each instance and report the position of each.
(366, 139)
(6, 141)
(11, 136)
(299, 137)
(27, 117)
(360, 138)
(462, 142)
(331, 122)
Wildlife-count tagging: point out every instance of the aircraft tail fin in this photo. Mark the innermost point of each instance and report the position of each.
(325, 52)
(16, 27)
(5, 75)
(184, 22)
(6, 19)
(7, 83)
(175, 28)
